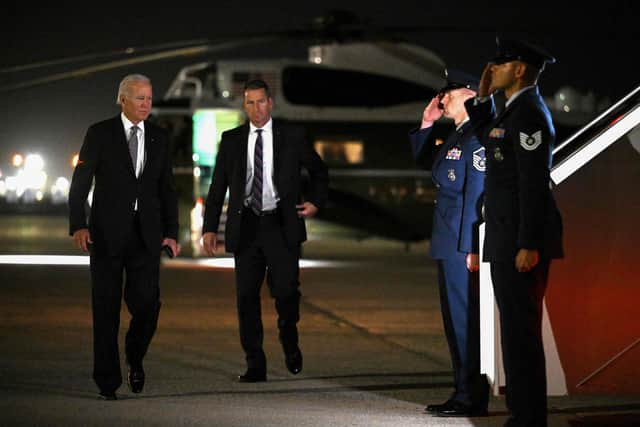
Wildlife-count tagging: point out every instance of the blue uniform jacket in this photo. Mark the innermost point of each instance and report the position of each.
(520, 210)
(458, 174)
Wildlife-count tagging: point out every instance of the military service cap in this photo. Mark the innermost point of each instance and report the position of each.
(457, 79)
(519, 50)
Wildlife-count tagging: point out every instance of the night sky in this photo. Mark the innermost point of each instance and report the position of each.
(596, 52)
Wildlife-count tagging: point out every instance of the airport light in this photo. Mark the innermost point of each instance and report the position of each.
(17, 160)
(60, 190)
(33, 163)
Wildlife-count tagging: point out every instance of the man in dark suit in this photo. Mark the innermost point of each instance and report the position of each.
(260, 163)
(523, 224)
(457, 170)
(134, 212)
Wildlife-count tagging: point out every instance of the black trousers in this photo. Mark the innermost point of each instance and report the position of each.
(142, 296)
(264, 251)
(519, 297)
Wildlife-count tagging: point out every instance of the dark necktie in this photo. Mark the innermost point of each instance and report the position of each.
(256, 187)
(133, 146)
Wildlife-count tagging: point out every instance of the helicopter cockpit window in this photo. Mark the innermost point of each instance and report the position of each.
(345, 88)
(336, 152)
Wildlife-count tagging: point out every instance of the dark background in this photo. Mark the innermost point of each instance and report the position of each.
(596, 50)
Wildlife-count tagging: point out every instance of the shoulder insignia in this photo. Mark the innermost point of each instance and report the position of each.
(479, 160)
(530, 142)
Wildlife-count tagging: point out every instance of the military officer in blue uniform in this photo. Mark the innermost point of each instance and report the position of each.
(523, 224)
(457, 170)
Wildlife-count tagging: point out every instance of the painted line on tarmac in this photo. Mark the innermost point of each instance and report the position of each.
(223, 262)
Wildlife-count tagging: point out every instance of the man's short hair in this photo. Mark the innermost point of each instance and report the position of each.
(258, 84)
(123, 89)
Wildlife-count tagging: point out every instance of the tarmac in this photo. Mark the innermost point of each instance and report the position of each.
(370, 330)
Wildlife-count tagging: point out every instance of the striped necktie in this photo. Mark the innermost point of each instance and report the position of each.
(256, 187)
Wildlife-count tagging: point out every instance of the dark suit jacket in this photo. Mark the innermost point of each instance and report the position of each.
(291, 153)
(105, 157)
(520, 210)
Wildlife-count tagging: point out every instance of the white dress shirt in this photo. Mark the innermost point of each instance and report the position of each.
(269, 193)
(140, 156)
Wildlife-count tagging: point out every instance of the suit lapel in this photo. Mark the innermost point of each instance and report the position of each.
(243, 143)
(277, 142)
(150, 149)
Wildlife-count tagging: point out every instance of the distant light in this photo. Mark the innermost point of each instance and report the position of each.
(12, 183)
(39, 195)
(196, 217)
(74, 160)
(196, 172)
(33, 163)
(195, 157)
(566, 108)
(225, 93)
(62, 183)
(17, 160)
(317, 60)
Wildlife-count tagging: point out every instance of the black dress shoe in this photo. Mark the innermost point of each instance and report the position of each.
(458, 409)
(253, 376)
(108, 395)
(135, 379)
(294, 361)
(435, 407)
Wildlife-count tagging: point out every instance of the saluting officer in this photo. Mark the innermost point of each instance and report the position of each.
(523, 224)
(457, 170)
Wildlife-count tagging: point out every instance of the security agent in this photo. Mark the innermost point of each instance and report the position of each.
(457, 169)
(523, 224)
(260, 164)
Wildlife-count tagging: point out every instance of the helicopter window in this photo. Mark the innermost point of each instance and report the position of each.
(328, 87)
(346, 152)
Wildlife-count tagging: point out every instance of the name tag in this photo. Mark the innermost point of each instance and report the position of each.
(454, 154)
(496, 133)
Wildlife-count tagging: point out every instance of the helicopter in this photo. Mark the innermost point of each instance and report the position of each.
(357, 93)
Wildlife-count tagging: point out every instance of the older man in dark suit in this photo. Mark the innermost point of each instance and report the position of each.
(134, 213)
(260, 162)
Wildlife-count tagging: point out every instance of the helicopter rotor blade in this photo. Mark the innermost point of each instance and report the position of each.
(101, 55)
(174, 53)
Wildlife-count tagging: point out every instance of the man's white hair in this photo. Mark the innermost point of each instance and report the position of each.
(123, 89)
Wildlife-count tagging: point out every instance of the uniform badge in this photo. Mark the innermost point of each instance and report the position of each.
(496, 133)
(454, 154)
(530, 142)
(479, 160)
(451, 175)
(497, 154)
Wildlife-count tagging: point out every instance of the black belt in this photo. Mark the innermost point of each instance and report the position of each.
(262, 213)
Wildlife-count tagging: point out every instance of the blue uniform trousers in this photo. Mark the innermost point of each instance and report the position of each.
(459, 299)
